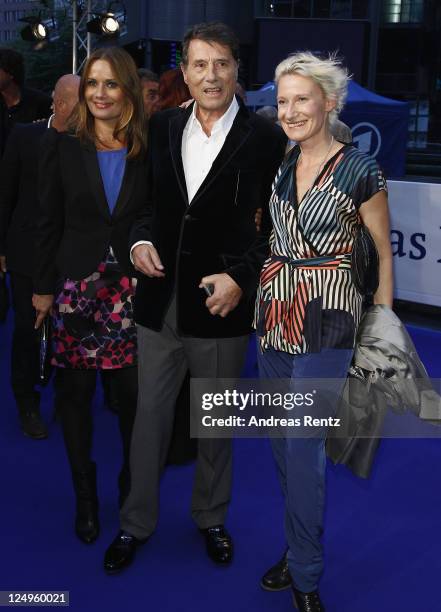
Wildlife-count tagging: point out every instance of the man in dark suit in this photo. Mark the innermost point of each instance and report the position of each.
(210, 169)
(18, 208)
(18, 104)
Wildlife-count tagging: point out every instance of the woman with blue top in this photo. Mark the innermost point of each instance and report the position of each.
(308, 308)
(92, 183)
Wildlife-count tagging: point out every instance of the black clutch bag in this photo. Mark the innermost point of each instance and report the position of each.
(364, 262)
(45, 351)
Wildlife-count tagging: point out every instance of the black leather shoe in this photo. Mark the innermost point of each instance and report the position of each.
(33, 426)
(307, 602)
(277, 578)
(87, 525)
(219, 544)
(121, 552)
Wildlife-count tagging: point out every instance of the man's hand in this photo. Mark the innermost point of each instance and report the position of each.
(3, 264)
(226, 294)
(42, 305)
(146, 260)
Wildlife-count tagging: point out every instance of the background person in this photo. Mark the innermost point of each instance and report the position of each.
(308, 308)
(241, 91)
(341, 132)
(18, 104)
(173, 90)
(150, 89)
(18, 217)
(269, 112)
(92, 185)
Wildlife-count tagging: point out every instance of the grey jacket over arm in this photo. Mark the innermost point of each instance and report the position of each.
(386, 373)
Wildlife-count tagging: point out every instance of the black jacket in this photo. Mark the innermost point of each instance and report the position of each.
(18, 196)
(4, 125)
(75, 227)
(34, 105)
(216, 232)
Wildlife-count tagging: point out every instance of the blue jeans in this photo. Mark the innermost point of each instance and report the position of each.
(301, 462)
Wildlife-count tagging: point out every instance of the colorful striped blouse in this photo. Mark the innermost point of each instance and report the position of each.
(306, 299)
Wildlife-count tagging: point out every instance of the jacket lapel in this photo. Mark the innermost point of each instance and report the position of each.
(236, 138)
(176, 129)
(94, 175)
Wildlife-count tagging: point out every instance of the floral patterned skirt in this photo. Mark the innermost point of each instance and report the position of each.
(92, 320)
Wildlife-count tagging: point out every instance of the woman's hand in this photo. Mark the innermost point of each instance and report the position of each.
(375, 215)
(42, 305)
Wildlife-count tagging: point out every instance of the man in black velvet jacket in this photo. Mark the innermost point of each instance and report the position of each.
(210, 168)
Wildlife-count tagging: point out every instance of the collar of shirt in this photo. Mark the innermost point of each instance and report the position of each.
(49, 121)
(223, 124)
(199, 150)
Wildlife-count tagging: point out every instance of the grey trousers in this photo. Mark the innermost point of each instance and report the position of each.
(164, 358)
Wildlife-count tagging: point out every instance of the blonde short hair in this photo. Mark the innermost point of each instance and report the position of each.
(328, 73)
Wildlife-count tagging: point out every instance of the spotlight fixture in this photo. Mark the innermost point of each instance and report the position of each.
(108, 23)
(35, 30)
(104, 25)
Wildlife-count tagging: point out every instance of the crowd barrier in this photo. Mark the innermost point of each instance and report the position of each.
(415, 210)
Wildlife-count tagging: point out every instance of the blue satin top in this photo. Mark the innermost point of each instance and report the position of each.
(112, 166)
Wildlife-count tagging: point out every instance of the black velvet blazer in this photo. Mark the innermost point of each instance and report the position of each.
(75, 226)
(216, 232)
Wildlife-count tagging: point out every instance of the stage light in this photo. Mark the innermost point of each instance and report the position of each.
(36, 30)
(104, 25)
(108, 23)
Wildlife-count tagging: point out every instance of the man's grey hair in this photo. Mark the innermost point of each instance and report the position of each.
(147, 75)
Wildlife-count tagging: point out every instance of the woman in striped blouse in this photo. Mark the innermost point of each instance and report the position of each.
(308, 309)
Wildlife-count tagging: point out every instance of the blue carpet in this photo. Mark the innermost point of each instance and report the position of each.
(381, 536)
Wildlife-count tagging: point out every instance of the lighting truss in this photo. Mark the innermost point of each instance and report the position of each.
(82, 13)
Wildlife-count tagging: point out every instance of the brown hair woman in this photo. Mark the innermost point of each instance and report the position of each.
(92, 183)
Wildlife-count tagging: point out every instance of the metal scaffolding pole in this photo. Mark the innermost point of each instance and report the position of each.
(81, 38)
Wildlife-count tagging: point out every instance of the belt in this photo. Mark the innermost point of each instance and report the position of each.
(325, 262)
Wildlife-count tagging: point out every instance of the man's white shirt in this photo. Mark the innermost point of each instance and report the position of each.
(199, 150)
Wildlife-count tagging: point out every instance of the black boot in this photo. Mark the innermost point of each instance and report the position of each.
(277, 578)
(86, 520)
(32, 425)
(29, 414)
(307, 602)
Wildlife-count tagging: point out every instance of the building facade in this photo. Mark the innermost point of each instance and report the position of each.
(10, 13)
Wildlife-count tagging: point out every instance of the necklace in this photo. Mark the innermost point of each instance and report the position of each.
(319, 168)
